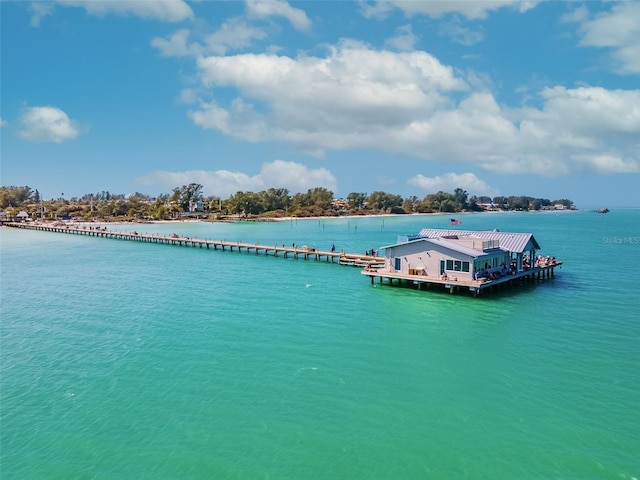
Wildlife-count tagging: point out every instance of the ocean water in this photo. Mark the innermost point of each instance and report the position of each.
(131, 360)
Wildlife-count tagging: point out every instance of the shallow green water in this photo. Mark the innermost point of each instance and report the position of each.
(128, 360)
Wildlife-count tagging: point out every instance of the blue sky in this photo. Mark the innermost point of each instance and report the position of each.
(497, 97)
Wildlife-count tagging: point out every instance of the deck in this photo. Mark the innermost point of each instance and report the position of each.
(281, 251)
(453, 284)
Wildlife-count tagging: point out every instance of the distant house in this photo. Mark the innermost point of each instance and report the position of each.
(463, 255)
(22, 216)
(196, 206)
(4, 217)
(489, 207)
(340, 204)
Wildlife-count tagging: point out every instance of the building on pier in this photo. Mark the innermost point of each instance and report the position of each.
(455, 258)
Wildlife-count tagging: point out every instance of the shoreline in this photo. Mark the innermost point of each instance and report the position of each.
(334, 217)
(284, 219)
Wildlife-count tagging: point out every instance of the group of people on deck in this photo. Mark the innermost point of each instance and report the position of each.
(494, 274)
(544, 261)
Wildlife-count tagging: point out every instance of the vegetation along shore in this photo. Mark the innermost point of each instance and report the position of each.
(188, 201)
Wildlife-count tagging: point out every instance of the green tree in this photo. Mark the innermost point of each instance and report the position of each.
(275, 199)
(14, 196)
(411, 204)
(501, 202)
(356, 200)
(384, 201)
(460, 199)
(321, 197)
(246, 203)
(186, 194)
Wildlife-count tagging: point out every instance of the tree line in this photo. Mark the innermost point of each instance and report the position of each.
(188, 200)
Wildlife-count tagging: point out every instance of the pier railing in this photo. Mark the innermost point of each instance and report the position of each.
(281, 251)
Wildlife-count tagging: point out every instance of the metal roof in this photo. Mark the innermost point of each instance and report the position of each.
(470, 252)
(513, 242)
(451, 245)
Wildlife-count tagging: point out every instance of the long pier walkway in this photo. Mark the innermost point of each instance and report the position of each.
(306, 253)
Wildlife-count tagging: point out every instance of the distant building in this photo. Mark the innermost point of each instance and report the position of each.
(196, 206)
(22, 216)
(340, 204)
(489, 207)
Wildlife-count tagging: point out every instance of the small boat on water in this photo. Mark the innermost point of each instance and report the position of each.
(603, 210)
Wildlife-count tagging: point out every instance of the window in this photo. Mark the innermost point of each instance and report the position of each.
(398, 263)
(457, 265)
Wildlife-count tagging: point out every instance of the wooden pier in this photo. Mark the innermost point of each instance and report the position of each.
(281, 251)
(453, 284)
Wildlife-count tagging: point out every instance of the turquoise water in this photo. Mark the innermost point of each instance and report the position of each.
(129, 360)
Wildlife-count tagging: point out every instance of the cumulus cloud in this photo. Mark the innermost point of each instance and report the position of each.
(450, 181)
(278, 8)
(437, 8)
(47, 124)
(411, 104)
(163, 10)
(336, 102)
(293, 176)
(617, 30)
(404, 40)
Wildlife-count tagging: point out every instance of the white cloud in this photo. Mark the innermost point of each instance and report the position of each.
(607, 164)
(578, 15)
(47, 124)
(188, 96)
(294, 176)
(278, 8)
(404, 40)
(437, 8)
(460, 34)
(617, 29)
(2, 123)
(177, 44)
(163, 10)
(234, 34)
(411, 104)
(337, 102)
(39, 11)
(450, 181)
